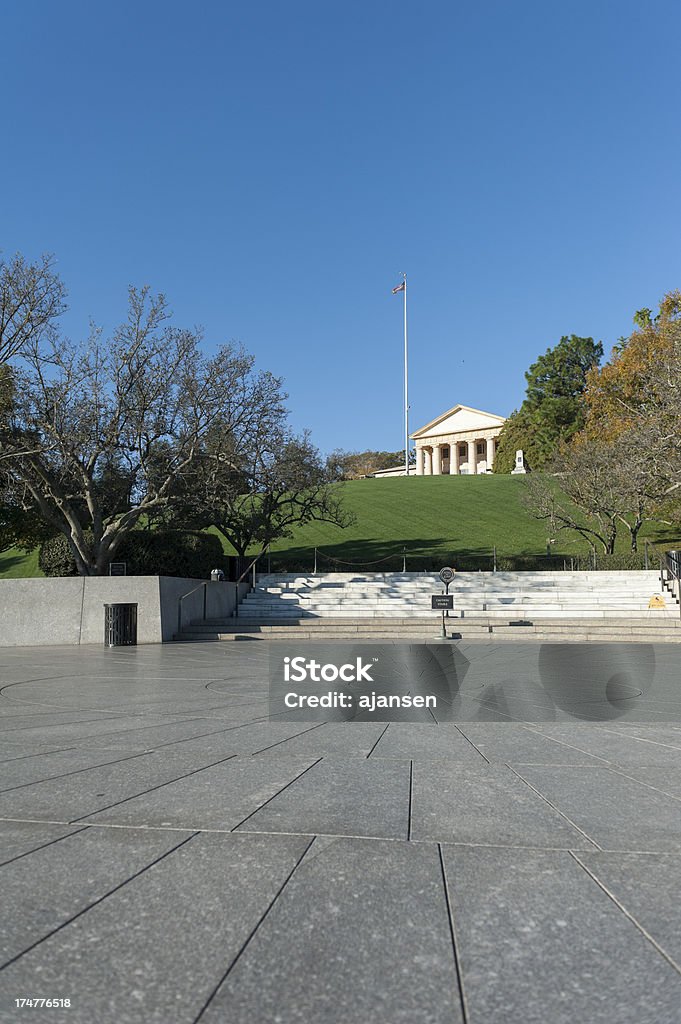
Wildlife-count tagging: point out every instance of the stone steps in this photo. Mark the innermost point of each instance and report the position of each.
(629, 630)
(423, 600)
(409, 577)
(476, 594)
(386, 595)
(470, 594)
(392, 606)
(348, 610)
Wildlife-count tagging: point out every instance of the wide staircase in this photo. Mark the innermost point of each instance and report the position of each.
(503, 605)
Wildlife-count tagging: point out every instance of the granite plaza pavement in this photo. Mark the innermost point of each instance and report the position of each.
(172, 853)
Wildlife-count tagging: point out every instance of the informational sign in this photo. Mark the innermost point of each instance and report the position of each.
(447, 575)
(117, 568)
(440, 602)
(657, 601)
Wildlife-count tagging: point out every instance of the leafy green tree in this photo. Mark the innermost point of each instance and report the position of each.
(517, 433)
(553, 409)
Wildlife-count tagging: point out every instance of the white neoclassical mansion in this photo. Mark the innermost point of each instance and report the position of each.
(461, 440)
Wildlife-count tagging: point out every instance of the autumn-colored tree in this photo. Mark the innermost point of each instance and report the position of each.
(643, 372)
(624, 467)
(636, 398)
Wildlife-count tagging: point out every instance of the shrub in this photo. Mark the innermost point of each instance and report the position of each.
(55, 558)
(171, 553)
(626, 560)
(146, 553)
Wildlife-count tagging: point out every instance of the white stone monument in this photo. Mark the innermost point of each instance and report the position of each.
(519, 463)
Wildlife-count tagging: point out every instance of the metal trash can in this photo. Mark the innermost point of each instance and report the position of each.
(120, 625)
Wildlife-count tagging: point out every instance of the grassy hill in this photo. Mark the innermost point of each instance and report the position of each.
(437, 519)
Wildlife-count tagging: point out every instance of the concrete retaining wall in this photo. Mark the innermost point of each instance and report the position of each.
(70, 610)
(220, 602)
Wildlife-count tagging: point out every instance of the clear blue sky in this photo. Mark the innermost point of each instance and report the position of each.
(273, 167)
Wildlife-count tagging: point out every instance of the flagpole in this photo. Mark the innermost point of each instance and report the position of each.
(406, 385)
(403, 288)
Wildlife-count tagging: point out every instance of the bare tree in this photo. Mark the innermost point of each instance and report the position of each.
(564, 501)
(261, 494)
(31, 299)
(644, 484)
(598, 484)
(98, 435)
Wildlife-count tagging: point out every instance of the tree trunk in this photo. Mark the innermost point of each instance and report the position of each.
(611, 536)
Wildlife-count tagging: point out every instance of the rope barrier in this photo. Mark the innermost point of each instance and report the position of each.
(341, 561)
(484, 562)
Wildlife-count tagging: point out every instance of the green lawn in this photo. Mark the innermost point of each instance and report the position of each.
(429, 516)
(436, 518)
(15, 563)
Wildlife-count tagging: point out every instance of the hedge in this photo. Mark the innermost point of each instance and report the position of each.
(146, 553)
(55, 559)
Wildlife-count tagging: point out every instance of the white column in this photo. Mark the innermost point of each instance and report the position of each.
(472, 457)
(454, 460)
(419, 461)
(490, 452)
(429, 461)
(437, 468)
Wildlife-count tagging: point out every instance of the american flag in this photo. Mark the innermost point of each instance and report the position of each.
(399, 288)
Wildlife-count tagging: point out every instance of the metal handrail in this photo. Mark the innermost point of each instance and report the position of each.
(204, 584)
(251, 566)
(670, 563)
(244, 574)
(673, 560)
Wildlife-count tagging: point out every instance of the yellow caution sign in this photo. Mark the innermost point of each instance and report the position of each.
(657, 601)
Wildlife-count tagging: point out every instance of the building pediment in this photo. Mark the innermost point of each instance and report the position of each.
(460, 419)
